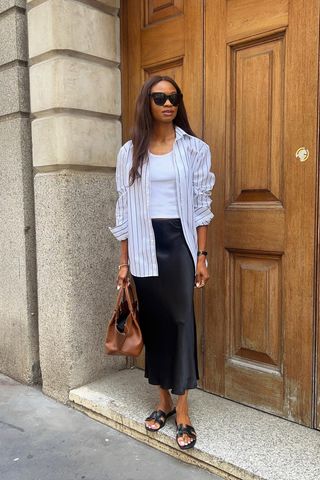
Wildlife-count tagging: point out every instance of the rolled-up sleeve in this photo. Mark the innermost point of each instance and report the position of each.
(120, 230)
(203, 182)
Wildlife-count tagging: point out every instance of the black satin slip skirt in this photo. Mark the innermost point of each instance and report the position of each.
(166, 311)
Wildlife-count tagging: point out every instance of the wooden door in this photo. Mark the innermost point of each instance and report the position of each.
(249, 74)
(261, 71)
(166, 38)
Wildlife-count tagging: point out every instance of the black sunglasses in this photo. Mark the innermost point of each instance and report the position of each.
(160, 98)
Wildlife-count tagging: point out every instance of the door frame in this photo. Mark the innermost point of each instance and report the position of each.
(316, 327)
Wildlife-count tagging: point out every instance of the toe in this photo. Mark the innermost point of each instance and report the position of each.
(152, 424)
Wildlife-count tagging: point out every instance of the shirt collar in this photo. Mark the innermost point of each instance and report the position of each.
(180, 133)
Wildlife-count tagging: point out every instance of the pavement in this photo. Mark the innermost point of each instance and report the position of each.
(42, 439)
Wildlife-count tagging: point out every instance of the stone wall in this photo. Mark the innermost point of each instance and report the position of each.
(75, 103)
(19, 351)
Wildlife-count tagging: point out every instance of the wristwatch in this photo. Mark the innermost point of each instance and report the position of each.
(205, 253)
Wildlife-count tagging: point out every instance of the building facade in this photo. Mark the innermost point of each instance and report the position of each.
(69, 77)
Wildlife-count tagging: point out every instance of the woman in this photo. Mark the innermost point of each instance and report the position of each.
(162, 214)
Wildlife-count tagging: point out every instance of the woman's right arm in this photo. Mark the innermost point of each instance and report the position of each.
(124, 269)
(120, 231)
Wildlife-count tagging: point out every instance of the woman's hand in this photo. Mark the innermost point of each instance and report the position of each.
(202, 275)
(123, 278)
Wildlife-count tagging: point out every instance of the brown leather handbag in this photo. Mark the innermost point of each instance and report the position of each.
(123, 332)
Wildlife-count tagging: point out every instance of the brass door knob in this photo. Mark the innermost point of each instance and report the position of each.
(302, 154)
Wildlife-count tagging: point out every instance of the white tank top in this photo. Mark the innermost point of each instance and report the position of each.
(163, 190)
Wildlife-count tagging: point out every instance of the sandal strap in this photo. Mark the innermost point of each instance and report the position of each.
(159, 416)
(188, 429)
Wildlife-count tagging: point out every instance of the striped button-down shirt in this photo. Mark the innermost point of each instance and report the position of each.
(194, 180)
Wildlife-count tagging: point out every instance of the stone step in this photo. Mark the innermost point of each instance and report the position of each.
(234, 441)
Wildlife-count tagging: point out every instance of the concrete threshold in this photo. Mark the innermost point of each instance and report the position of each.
(234, 441)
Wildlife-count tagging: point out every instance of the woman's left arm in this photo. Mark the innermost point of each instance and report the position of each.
(203, 182)
(202, 275)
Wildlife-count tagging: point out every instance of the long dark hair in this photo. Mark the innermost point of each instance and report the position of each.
(143, 122)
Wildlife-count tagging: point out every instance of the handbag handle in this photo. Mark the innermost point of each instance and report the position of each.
(125, 292)
(120, 298)
(129, 296)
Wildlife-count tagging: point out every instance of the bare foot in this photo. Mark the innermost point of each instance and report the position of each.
(165, 404)
(183, 417)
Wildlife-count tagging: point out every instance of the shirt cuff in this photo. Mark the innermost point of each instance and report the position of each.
(120, 231)
(204, 218)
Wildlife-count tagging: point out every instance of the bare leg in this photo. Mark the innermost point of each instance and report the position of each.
(165, 404)
(183, 417)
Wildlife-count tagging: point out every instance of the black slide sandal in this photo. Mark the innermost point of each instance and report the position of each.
(160, 417)
(190, 431)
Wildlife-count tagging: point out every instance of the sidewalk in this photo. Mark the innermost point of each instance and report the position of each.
(42, 439)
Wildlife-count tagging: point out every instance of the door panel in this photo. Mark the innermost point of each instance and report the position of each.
(245, 18)
(259, 314)
(255, 97)
(155, 10)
